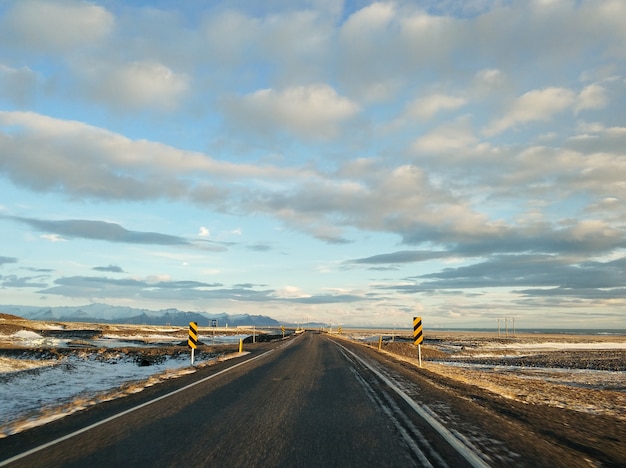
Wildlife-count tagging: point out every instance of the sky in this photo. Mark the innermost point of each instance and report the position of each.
(350, 163)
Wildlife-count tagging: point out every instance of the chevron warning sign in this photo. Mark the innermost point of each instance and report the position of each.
(192, 342)
(418, 337)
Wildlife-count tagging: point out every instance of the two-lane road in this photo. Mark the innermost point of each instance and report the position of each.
(309, 402)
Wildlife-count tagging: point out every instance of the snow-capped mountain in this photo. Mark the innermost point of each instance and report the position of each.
(104, 313)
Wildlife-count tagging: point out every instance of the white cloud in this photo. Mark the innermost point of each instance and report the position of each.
(57, 26)
(592, 97)
(291, 292)
(536, 105)
(487, 83)
(136, 85)
(447, 138)
(376, 16)
(314, 111)
(427, 107)
(295, 42)
(490, 77)
(367, 122)
(45, 153)
(53, 237)
(18, 84)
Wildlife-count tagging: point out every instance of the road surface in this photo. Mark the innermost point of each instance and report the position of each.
(306, 402)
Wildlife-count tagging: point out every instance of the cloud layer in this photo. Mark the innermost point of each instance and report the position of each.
(377, 158)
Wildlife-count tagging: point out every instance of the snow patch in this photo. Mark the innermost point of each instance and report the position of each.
(35, 392)
(27, 335)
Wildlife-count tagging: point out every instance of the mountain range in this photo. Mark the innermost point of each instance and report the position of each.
(104, 313)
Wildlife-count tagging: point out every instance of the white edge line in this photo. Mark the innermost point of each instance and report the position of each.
(459, 446)
(130, 410)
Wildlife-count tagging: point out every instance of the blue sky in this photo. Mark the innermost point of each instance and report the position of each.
(353, 163)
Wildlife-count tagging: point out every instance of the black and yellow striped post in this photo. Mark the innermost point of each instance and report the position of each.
(418, 336)
(192, 341)
(282, 327)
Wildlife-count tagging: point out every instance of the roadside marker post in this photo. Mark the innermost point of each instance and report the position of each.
(283, 330)
(418, 336)
(192, 341)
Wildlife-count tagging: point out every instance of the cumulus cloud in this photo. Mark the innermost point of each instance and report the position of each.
(44, 153)
(376, 16)
(427, 107)
(18, 85)
(136, 85)
(489, 78)
(55, 26)
(295, 41)
(481, 132)
(533, 106)
(592, 97)
(453, 137)
(313, 112)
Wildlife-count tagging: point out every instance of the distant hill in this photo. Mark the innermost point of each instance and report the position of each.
(9, 317)
(104, 313)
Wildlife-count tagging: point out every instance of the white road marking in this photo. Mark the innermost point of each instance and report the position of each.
(130, 410)
(473, 459)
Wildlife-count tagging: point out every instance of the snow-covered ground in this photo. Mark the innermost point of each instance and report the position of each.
(34, 391)
(31, 339)
(53, 389)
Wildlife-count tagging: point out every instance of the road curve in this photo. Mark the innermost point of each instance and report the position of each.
(312, 402)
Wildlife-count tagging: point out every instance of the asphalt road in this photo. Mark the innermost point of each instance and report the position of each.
(308, 402)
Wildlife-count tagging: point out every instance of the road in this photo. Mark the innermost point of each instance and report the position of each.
(309, 401)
